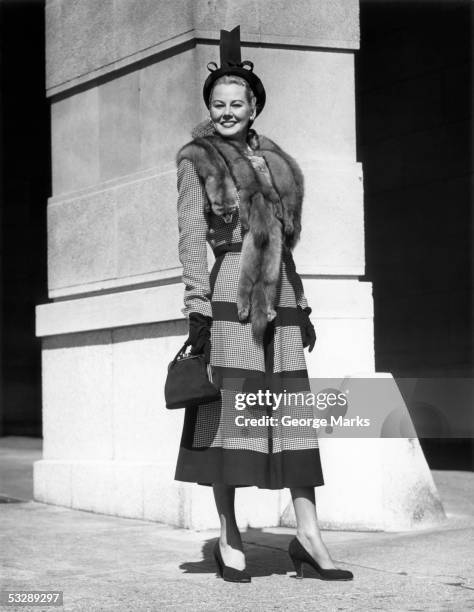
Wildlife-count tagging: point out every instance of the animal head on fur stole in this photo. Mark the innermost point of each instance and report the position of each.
(222, 197)
(211, 168)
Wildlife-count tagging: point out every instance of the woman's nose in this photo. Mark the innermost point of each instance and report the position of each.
(227, 114)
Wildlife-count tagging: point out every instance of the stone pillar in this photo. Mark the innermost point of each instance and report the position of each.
(124, 79)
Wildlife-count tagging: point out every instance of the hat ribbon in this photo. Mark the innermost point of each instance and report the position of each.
(212, 66)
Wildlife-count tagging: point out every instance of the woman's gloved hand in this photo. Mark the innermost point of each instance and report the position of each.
(308, 333)
(200, 335)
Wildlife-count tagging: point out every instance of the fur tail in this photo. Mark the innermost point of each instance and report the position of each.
(258, 312)
(259, 220)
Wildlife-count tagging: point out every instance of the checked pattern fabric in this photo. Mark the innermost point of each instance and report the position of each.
(213, 449)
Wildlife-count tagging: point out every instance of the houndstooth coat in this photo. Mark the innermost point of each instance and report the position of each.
(213, 448)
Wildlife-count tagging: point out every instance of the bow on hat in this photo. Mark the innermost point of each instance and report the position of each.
(231, 63)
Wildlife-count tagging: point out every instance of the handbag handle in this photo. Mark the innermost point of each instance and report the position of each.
(181, 351)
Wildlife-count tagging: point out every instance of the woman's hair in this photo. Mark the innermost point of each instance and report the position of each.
(227, 79)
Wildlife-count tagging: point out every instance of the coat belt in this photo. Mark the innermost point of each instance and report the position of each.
(222, 249)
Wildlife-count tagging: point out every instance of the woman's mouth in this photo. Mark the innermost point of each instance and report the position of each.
(228, 123)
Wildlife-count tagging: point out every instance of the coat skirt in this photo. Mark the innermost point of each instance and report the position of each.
(219, 443)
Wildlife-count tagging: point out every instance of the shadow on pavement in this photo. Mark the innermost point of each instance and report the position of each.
(265, 557)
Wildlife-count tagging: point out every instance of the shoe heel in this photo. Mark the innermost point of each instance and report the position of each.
(298, 567)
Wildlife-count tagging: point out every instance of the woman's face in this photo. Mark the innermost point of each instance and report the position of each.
(230, 110)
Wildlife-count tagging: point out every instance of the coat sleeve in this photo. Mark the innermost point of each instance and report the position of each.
(192, 247)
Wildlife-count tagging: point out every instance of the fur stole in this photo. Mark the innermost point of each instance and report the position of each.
(270, 213)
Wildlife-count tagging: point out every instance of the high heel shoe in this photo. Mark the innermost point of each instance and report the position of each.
(230, 574)
(300, 555)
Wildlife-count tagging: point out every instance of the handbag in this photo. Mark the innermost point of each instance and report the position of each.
(189, 381)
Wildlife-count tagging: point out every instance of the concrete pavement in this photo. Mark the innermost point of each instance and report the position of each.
(110, 563)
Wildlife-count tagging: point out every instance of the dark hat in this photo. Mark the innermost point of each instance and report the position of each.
(231, 63)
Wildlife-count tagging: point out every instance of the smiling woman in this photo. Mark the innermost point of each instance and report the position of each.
(233, 107)
(243, 195)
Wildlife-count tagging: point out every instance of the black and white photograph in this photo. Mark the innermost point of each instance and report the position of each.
(236, 305)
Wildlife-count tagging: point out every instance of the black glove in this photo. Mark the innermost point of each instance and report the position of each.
(308, 333)
(200, 335)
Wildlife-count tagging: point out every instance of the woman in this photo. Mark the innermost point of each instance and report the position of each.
(242, 194)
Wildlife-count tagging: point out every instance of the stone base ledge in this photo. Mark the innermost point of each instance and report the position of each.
(370, 484)
(147, 491)
(330, 299)
(387, 487)
(374, 485)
